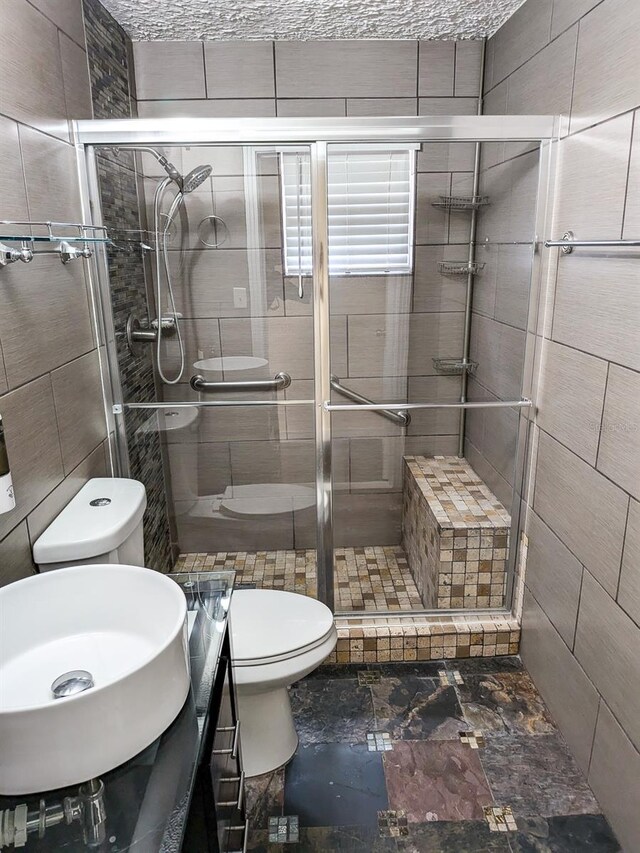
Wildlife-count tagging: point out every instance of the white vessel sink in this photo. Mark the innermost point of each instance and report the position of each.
(125, 627)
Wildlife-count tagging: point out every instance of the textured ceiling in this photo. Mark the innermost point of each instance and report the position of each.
(310, 19)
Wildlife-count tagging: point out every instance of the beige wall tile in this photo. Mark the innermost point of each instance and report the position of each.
(77, 391)
(212, 108)
(554, 576)
(629, 589)
(349, 69)
(619, 453)
(608, 648)
(436, 68)
(432, 290)
(272, 462)
(592, 176)
(606, 79)
(525, 33)
(201, 342)
(499, 351)
(592, 315)
(239, 69)
(33, 446)
(567, 12)
(614, 777)
(15, 556)
(94, 465)
(75, 77)
(43, 295)
(565, 687)
(367, 519)
(468, 61)
(169, 69)
(543, 85)
(198, 469)
(570, 398)
(446, 157)
(632, 206)
(382, 106)
(496, 482)
(66, 14)
(50, 172)
(294, 107)
(433, 389)
(12, 186)
(380, 389)
(432, 223)
(583, 508)
(447, 106)
(30, 65)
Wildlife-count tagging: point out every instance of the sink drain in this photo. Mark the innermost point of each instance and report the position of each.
(72, 682)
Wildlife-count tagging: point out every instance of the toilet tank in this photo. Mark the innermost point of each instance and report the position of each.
(101, 524)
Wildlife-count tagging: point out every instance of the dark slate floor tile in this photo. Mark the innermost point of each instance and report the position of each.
(536, 776)
(436, 780)
(459, 836)
(335, 670)
(335, 784)
(479, 666)
(503, 703)
(564, 834)
(264, 797)
(327, 839)
(332, 711)
(413, 708)
(420, 669)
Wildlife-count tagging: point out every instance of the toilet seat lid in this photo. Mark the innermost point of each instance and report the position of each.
(271, 623)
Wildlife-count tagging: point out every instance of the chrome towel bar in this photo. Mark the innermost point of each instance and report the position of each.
(569, 243)
(280, 381)
(398, 417)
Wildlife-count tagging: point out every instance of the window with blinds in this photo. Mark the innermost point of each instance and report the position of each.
(371, 200)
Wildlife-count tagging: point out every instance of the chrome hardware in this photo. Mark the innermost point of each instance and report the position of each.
(522, 403)
(237, 803)
(87, 808)
(400, 417)
(244, 828)
(136, 333)
(569, 243)
(72, 682)
(10, 256)
(69, 253)
(280, 381)
(233, 749)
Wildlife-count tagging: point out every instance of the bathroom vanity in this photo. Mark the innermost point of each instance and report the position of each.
(185, 791)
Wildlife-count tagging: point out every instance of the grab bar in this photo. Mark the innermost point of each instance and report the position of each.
(280, 381)
(568, 243)
(403, 418)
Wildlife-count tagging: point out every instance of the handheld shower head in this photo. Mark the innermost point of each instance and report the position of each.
(195, 177)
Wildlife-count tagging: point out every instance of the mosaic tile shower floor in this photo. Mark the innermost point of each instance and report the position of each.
(455, 757)
(372, 578)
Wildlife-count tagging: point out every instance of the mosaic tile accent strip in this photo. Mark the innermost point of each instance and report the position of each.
(393, 824)
(366, 678)
(449, 678)
(373, 578)
(284, 830)
(474, 739)
(379, 742)
(455, 532)
(500, 819)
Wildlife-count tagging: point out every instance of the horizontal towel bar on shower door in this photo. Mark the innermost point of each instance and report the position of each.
(522, 403)
(399, 417)
(280, 381)
(569, 243)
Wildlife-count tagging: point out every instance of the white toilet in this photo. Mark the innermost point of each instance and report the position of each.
(101, 524)
(277, 638)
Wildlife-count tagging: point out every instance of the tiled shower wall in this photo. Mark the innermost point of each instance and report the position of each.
(423, 311)
(109, 65)
(581, 621)
(50, 389)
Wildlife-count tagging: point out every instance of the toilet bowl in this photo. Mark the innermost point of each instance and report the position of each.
(277, 638)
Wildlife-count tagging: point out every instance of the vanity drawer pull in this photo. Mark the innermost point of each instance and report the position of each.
(244, 828)
(233, 749)
(238, 802)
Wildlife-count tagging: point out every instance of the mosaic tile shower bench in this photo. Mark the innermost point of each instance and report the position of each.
(455, 533)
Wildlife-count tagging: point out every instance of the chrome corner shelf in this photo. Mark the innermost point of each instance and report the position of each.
(460, 267)
(67, 249)
(454, 366)
(459, 202)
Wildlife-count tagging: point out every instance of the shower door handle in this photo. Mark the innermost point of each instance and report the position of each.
(280, 381)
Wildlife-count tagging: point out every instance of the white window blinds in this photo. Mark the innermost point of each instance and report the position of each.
(371, 210)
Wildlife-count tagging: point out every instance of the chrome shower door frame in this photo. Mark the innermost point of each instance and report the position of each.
(318, 133)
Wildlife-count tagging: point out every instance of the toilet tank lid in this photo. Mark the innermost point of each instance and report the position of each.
(103, 514)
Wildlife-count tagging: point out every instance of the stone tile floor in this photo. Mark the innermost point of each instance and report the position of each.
(371, 578)
(473, 766)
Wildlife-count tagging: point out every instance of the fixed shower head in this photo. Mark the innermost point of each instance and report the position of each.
(195, 177)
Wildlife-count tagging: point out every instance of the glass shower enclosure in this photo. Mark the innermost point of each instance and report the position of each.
(315, 346)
